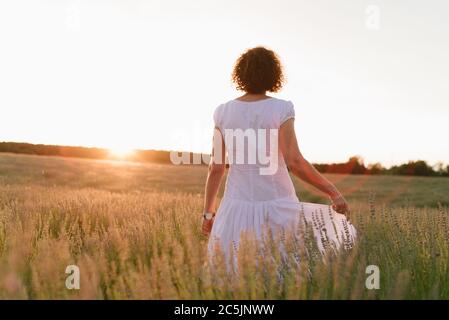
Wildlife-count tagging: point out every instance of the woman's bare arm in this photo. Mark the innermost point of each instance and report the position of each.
(301, 168)
(217, 167)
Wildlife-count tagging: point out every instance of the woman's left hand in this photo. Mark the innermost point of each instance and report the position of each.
(340, 205)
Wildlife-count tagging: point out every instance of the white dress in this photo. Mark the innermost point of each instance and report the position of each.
(252, 200)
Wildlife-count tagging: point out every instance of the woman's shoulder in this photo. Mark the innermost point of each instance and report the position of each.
(222, 106)
(282, 102)
(282, 109)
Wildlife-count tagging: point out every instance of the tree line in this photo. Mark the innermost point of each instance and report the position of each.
(355, 165)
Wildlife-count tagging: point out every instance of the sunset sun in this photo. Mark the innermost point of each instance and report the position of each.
(121, 152)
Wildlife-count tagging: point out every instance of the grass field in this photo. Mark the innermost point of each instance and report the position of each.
(133, 230)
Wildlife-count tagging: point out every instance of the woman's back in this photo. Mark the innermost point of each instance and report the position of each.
(250, 130)
(260, 140)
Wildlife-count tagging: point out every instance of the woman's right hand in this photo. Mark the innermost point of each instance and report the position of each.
(207, 226)
(340, 204)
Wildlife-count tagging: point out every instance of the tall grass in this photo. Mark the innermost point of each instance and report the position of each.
(148, 245)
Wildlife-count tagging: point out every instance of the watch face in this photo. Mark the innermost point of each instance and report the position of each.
(208, 215)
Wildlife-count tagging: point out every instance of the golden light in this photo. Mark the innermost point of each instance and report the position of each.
(121, 152)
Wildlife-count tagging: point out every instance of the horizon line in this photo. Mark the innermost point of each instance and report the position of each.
(203, 153)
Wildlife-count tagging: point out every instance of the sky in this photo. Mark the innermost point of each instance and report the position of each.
(368, 78)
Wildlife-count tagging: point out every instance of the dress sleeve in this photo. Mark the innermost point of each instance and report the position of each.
(288, 112)
(217, 117)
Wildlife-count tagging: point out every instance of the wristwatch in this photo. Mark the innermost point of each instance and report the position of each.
(208, 215)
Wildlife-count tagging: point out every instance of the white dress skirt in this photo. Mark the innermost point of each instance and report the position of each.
(255, 199)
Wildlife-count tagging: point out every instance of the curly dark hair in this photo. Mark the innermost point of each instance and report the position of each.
(258, 70)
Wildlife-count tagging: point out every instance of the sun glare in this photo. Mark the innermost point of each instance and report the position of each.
(121, 152)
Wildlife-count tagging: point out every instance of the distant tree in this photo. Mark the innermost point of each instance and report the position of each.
(376, 168)
(413, 168)
(439, 168)
(421, 168)
(355, 165)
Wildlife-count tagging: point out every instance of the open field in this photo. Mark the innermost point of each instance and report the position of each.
(133, 230)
